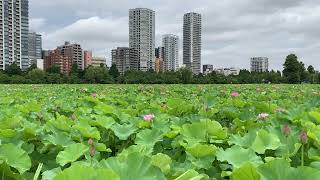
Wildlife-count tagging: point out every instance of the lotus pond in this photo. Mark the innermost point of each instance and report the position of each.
(175, 132)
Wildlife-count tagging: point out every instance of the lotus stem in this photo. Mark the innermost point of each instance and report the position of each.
(302, 155)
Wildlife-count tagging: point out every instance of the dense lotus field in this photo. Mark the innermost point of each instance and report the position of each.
(175, 132)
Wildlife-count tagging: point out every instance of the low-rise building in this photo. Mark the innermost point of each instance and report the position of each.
(228, 71)
(98, 61)
(56, 58)
(207, 69)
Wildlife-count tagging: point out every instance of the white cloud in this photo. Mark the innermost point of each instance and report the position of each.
(233, 31)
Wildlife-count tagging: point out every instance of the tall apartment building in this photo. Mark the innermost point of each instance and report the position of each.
(87, 58)
(171, 52)
(159, 64)
(142, 36)
(259, 64)
(74, 52)
(56, 58)
(192, 41)
(14, 29)
(34, 47)
(125, 59)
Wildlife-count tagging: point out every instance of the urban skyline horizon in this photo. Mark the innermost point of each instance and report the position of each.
(230, 47)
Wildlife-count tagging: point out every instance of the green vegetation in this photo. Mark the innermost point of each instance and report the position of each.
(177, 132)
(294, 72)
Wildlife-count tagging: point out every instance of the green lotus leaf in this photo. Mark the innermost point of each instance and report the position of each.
(71, 153)
(50, 174)
(280, 169)
(237, 156)
(246, 172)
(78, 172)
(62, 123)
(7, 133)
(192, 175)
(15, 157)
(315, 115)
(148, 137)
(264, 141)
(201, 131)
(123, 131)
(314, 154)
(135, 166)
(162, 161)
(59, 138)
(245, 141)
(87, 131)
(102, 147)
(103, 121)
(202, 150)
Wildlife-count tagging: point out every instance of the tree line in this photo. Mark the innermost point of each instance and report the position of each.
(294, 72)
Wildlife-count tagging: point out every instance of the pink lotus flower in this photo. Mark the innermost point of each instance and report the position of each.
(304, 137)
(149, 117)
(263, 116)
(92, 151)
(235, 94)
(286, 130)
(90, 141)
(281, 110)
(94, 95)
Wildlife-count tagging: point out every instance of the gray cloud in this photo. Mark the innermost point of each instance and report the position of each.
(233, 31)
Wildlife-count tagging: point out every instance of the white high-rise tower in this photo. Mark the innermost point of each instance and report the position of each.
(192, 41)
(171, 52)
(142, 36)
(14, 29)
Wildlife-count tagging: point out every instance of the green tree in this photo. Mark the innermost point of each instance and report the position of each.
(312, 74)
(97, 75)
(185, 75)
(54, 69)
(114, 72)
(292, 69)
(36, 76)
(13, 69)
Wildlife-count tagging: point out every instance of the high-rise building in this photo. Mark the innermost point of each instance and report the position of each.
(74, 52)
(171, 52)
(142, 36)
(159, 65)
(35, 47)
(125, 59)
(98, 61)
(87, 58)
(14, 29)
(207, 69)
(259, 64)
(192, 41)
(56, 58)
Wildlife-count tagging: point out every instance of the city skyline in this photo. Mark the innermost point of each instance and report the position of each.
(254, 28)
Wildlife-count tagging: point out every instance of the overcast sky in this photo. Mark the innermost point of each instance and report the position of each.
(233, 30)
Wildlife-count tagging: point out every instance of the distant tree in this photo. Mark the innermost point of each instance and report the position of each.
(17, 79)
(114, 72)
(4, 78)
(304, 75)
(292, 69)
(32, 67)
(54, 69)
(13, 69)
(98, 75)
(74, 69)
(311, 69)
(185, 75)
(312, 74)
(36, 76)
